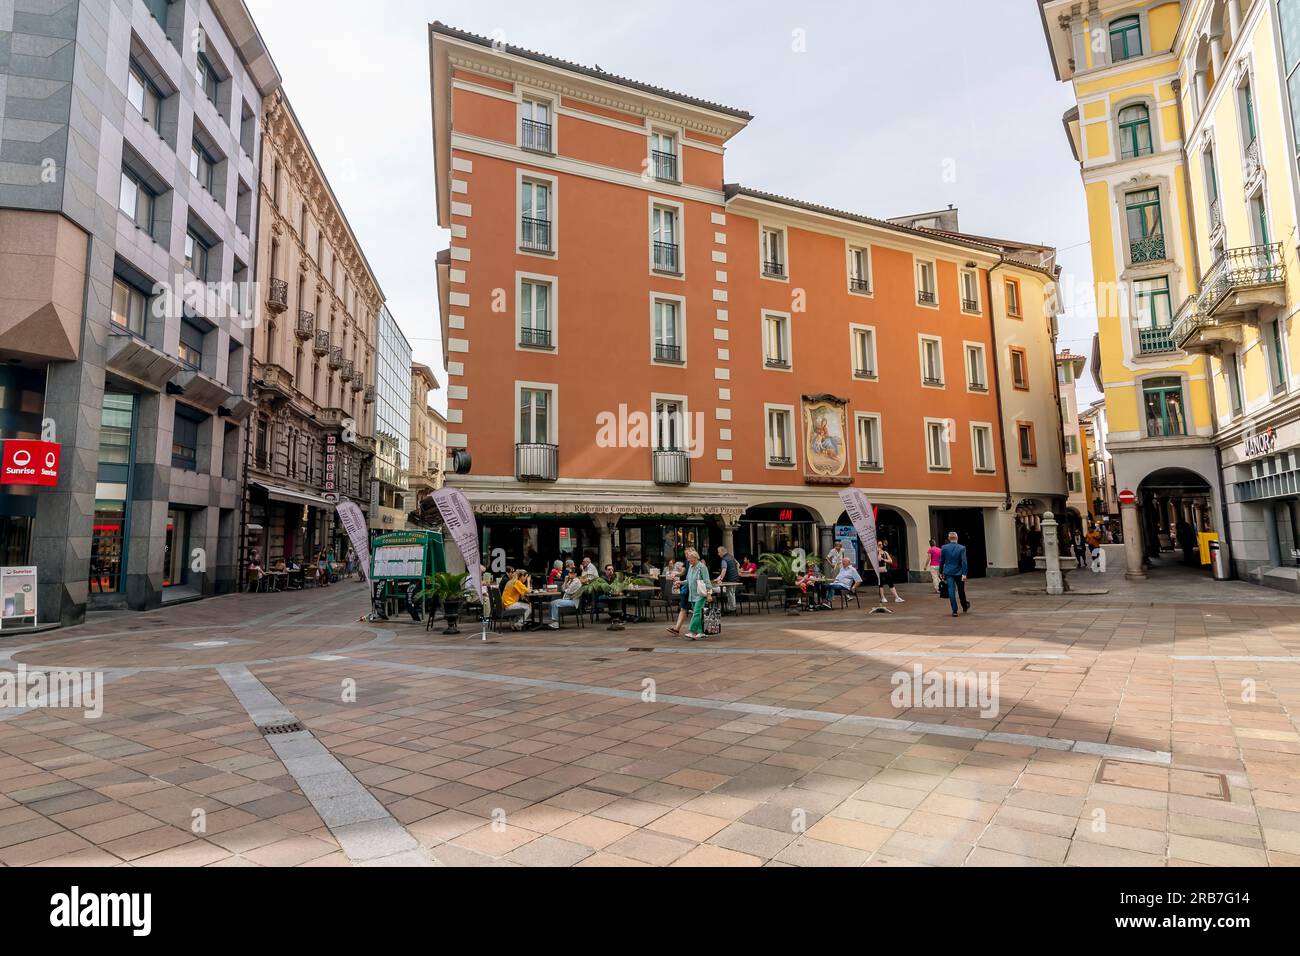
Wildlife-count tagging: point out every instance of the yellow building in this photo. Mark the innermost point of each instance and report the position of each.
(1187, 154)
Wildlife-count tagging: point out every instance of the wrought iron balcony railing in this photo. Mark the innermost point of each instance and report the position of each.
(535, 338)
(1147, 249)
(667, 353)
(306, 327)
(537, 462)
(347, 370)
(535, 136)
(671, 466)
(859, 284)
(1244, 267)
(970, 305)
(664, 164)
(1216, 214)
(322, 344)
(665, 257)
(925, 298)
(370, 394)
(277, 295)
(774, 268)
(1251, 160)
(534, 234)
(336, 357)
(1156, 339)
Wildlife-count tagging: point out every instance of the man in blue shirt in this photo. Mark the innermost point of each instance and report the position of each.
(952, 564)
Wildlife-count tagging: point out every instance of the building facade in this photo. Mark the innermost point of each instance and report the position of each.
(1186, 140)
(1077, 479)
(126, 246)
(312, 438)
(392, 427)
(687, 362)
(428, 436)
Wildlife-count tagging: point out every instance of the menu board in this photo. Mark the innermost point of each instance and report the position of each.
(399, 561)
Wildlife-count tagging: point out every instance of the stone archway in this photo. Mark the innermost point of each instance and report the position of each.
(1175, 505)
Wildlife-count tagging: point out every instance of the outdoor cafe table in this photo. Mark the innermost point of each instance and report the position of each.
(638, 592)
(536, 599)
(278, 579)
(732, 586)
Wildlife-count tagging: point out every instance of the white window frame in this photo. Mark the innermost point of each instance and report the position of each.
(946, 466)
(790, 438)
(880, 442)
(764, 228)
(680, 302)
(523, 94)
(787, 338)
(921, 339)
(917, 263)
(553, 316)
(685, 425)
(552, 422)
(679, 211)
(849, 249)
(553, 185)
(974, 276)
(676, 135)
(870, 330)
(975, 429)
(967, 348)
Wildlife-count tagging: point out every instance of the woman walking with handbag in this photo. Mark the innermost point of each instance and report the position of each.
(700, 590)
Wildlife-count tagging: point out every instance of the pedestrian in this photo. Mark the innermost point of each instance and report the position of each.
(953, 565)
(835, 558)
(1098, 556)
(678, 572)
(700, 591)
(728, 573)
(934, 553)
(323, 568)
(885, 580)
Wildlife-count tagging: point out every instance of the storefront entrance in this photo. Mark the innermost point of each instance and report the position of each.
(1175, 508)
(969, 525)
(775, 529)
(176, 548)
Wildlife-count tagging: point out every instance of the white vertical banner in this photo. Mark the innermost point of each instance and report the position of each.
(863, 518)
(354, 523)
(458, 514)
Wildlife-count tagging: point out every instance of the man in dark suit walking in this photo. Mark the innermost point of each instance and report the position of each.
(952, 564)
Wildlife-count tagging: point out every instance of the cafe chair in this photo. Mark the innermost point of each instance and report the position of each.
(755, 598)
(575, 611)
(851, 593)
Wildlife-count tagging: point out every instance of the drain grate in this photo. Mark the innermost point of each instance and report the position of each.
(292, 727)
(641, 650)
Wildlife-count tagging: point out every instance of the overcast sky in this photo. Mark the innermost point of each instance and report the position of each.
(887, 109)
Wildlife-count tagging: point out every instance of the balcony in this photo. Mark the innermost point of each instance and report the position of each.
(1155, 340)
(135, 359)
(331, 417)
(925, 298)
(1216, 215)
(537, 462)
(868, 465)
(535, 338)
(664, 165)
(776, 363)
(306, 327)
(346, 370)
(668, 353)
(1251, 165)
(774, 268)
(1147, 249)
(322, 344)
(671, 467)
(534, 234)
(336, 357)
(978, 387)
(970, 305)
(277, 295)
(273, 382)
(369, 396)
(780, 461)
(357, 384)
(864, 373)
(859, 284)
(932, 381)
(666, 257)
(535, 136)
(1240, 281)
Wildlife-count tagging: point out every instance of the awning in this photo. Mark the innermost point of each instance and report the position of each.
(277, 493)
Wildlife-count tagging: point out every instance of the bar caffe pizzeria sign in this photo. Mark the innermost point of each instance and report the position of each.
(1261, 443)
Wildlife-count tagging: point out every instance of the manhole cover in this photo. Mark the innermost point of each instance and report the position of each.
(290, 728)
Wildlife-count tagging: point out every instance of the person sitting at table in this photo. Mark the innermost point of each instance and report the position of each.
(847, 580)
(651, 571)
(279, 566)
(588, 570)
(511, 604)
(572, 593)
(255, 571)
(747, 566)
(556, 573)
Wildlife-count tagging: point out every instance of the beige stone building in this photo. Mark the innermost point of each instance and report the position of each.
(312, 438)
(428, 434)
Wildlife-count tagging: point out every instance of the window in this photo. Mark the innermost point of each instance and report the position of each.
(1259, 220)
(664, 240)
(1134, 131)
(137, 201)
(1125, 39)
(206, 77)
(534, 216)
(860, 271)
(780, 441)
(1012, 290)
(201, 163)
(158, 10)
(925, 286)
(108, 534)
(981, 437)
(670, 421)
(868, 429)
(668, 343)
(776, 340)
(1232, 375)
(535, 416)
(1071, 445)
(970, 294)
(144, 95)
(185, 438)
(1163, 401)
(931, 362)
(1025, 443)
(773, 242)
(663, 156)
(1246, 114)
(1212, 186)
(1019, 368)
(275, 199)
(864, 351)
(976, 378)
(1277, 356)
(129, 307)
(196, 255)
(1146, 240)
(936, 445)
(535, 125)
(1154, 315)
(190, 350)
(535, 314)
(1076, 481)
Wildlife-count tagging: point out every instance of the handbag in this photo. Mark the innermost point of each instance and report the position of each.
(702, 588)
(943, 587)
(712, 619)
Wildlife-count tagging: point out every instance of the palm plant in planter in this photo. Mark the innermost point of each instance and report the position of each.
(448, 590)
(615, 592)
(787, 568)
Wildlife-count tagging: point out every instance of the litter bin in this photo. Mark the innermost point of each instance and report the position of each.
(1218, 561)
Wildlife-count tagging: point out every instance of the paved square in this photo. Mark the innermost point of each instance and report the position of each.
(1152, 725)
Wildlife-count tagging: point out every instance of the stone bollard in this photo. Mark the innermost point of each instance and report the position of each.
(1052, 555)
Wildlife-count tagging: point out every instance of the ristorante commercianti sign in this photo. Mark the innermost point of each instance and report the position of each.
(29, 463)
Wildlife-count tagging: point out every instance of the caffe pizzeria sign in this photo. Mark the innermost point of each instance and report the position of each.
(1261, 443)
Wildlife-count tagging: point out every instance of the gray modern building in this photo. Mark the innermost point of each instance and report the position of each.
(388, 505)
(129, 139)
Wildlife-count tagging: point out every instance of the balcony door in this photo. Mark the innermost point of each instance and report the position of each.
(534, 416)
(1145, 228)
(670, 417)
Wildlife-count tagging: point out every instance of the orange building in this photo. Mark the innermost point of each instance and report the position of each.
(642, 357)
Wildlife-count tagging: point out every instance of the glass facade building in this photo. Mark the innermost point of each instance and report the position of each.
(392, 425)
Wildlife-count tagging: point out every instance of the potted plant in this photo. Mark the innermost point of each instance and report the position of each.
(448, 590)
(788, 568)
(615, 592)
